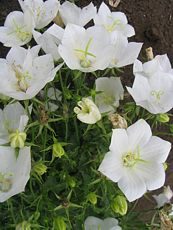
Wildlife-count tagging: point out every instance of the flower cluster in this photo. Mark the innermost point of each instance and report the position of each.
(51, 77)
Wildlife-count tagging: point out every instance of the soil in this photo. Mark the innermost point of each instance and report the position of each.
(153, 23)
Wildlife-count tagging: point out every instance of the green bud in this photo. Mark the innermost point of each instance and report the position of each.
(92, 198)
(163, 118)
(17, 139)
(119, 205)
(40, 168)
(165, 165)
(23, 226)
(71, 181)
(58, 150)
(59, 224)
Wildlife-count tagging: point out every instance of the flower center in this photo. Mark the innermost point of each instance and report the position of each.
(111, 27)
(5, 182)
(21, 33)
(131, 158)
(157, 94)
(22, 78)
(85, 55)
(106, 99)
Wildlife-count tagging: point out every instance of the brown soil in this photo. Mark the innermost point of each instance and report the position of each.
(153, 23)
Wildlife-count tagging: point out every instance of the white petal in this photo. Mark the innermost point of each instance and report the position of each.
(119, 141)
(132, 185)
(152, 173)
(139, 134)
(156, 150)
(87, 13)
(92, 223)
(137, 66)
(130, 54)
(111, 166)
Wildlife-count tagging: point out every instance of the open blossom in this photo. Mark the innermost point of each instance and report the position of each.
(43, 12)
(24, 73)
(159, 63)
(86, 49)
(14, 172)
(87, 111)
(164, 197)
(70, 13)
(17, 29)
(13, 118)
(110, 92)
(50, 40)
(113, 21)
(124, 52)
(94, 223)
(153, 93)
(135, 160)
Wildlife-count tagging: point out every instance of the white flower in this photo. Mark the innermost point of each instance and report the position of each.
(87, 111)
(113, 21)
(94, 223)
(70, 13)
(50, 40)
(24, 73)
(135, 160)
(124, 52)
(12, 118)
(153, 93)
(14, 171)
(159, 63)
(164, 198)
(17, 29)
(110, 92)
(86, 50)
(43, 12)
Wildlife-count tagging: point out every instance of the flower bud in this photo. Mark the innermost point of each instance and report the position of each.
(71, 181)
(117, 121)
(92, 198)
(23, 226)
(59, 224)
(149, 53)
(163, 118)
(17, 139)
(58, 150)
(119, 205)
(40, 168)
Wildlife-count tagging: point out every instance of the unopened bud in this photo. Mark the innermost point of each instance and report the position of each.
(40, 168)
(119, 205)
(117, 121)
(58, 150)
(71, 181)
(59, 224)
(149, 53)
(163, 118)
(165, 166)
(92, 198)
(17, 139)
(23, 226)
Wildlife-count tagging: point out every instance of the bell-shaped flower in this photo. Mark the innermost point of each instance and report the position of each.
(87, 111)
(153, 93)
(43, 11)
(113, 21)
(124, 52)
(70, 13)
(164, 197)
(86, 50)
(24, 73)
(94, 223)
(50, 40)
(159, 63)
(13, 118)
(14, 171)
(17, 29)
(110, 91)
(135, 160)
